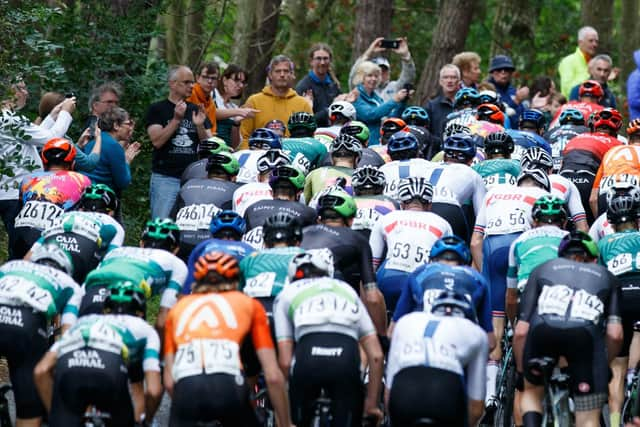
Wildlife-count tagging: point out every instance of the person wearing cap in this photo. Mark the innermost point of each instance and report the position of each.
(501, 70)
(387, 88)
(574, 69)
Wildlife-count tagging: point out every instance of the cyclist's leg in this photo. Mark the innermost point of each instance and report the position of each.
(541, 341)
(390, 283)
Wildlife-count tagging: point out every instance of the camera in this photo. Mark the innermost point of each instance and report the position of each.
(390, 44)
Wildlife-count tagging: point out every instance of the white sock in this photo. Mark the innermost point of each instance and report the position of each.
(492, 375)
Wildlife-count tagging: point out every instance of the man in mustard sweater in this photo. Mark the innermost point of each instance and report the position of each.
(276, 101)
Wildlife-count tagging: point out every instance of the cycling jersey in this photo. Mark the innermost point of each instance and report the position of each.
(596, 144)
(566, 190)
(118, 239)
(62, 188)
(396, 170)
(381, 151)
(586, 108)
(457, 184)
(206, 191)
(324, 177)
(531, 249)
(618, 252)
(523, 140)
(498, 171)
(248, 160)
(370, 209)
(600, 228)
(249, 194)
(305, 153)
(619, 164)
(196, 170)
(265, 273)
(257, 213)
(368, 157)
(558, 138)
(427, 282)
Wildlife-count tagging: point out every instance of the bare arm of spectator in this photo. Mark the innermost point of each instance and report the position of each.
(50, 128)
(373, 48)
(159, 134)
(408, 73)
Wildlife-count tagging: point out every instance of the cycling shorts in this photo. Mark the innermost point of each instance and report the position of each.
(630, 309)
(391, 282)
(90, 377)
(583, 179)
(248, 354)
(583, 347)
(495, 262)
(425, 392)
(328, 361)
(455, 215)
(23, 341)
(25, 237)
(204, 398)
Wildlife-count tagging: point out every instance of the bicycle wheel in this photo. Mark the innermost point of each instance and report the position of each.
(510, 392)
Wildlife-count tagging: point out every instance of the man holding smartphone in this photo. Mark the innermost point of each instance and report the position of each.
(388, 88)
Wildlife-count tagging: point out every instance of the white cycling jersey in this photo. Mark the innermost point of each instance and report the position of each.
(248, 160)
(567, 191)
(457, 184)
(396, 170)
(118, 239)
(600, 228)
(454, 344)
(250, 193)
(408, 237)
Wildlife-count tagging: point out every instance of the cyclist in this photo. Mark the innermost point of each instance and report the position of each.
(571, 123)
(403, 150)
(563, 311)
(231, 317)
(533, 121)
(340, 113)
(368, 184)
(427, 143)
(351, 251)
(155, 262)
(99, 202)
(491, 113)
(32, 295)
(198, 169)
(260, 140)
(416, 116)
(93, 362)
(590, 93)
(306, 152)
(498, 168)
(321, 323)
(406, 237)
(390, 127)
(601, 226)
(368, 156)
(436, 366)
(465, 102)
(44, 196)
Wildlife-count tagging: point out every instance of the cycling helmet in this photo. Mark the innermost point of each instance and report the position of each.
(99, 198)
(591, 88)
(607, 117)
(342, 108)
(489, 97)
(415, 188)
(54, 256)
(400, 142)
(577, 241)
(281, 227)
(498, 143)
(312, 263)
(276, 126)
(536, 158)
(421, 134)
(460, 144)
(391, 126)
(288, 174)
(539, 176)
(633, 127)
(161, 233)
(227, 220)
(213, 145)
(344, 142)
(417, 116)
(223, 161)
(549, 209)
(223, 266)
(127, 297)
(265, 139)
(339, 201)
(622, 208)
(58, 150)
(490, 113)
(302, 122)
(623, 188)
(367, 177)
(532, 116)
(452, 303)
(571, 116)
(465, 98)
(358, 130)
(448, 244)
(453, 128)
(272, 159)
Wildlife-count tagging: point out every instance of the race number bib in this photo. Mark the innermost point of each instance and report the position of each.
(24, 291)
(586, 306)
(365, 219)
(246, 174)
(40, 215)
(196, 217)
(507, 221)
(554, 300)
(206, 355)
(406, 256)
(326, 307)
(428, 297)
(261, 285)
(301, 162)
(620, 264)
(609, 181)
(497, 178)
(444, 195)
(254, 238)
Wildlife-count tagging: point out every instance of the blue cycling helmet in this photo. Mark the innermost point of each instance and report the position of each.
(264, 139)
(402, 141)
(227, 220)
(571, 116)
(460, 143)
(453, 244)
(533, 116)
(452, 303)
(417, 116)
(466, 97)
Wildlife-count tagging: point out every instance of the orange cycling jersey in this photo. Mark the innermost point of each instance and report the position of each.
(619, 160)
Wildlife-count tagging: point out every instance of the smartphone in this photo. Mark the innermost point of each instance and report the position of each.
(390, 44)
(408, 86)
(70, 95)
(92, 126)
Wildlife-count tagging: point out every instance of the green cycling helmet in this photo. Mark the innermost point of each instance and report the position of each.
(161, 232)
(225, 161)
(213, 145)
(549, 209)
(339, 201)
(289, 174)
(577, 242)
(99, 198)
(357, 129)
(127, 297)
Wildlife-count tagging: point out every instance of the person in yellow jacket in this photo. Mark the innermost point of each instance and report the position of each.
(276, 100)
(573, 69)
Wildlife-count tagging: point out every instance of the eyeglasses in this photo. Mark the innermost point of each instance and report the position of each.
(129, 123)
(503, 70)
(322, 59)
(209, 78)
(241, 82)
(186, 82)
(110, 101)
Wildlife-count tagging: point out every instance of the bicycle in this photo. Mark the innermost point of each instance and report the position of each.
(5, 415)
(631, 405)
(557, 412)
(95, 418)
(322, 416)
(264, 410)
(506, 386)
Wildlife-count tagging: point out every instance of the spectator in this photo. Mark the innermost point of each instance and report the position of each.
(501, 70)
(387, 89)
(441, 106)
(228, 114)
(320, 84)
(202, 90)
(600, 68)
(370, 107)
(469, 65)
(633, 88)
(276, 100)
(573, 69)
(175, 128)
(19, 143)
(102, 98)
(543, 89)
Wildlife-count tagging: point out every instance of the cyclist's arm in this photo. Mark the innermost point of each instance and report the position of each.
(43, 377)
(511, 302)
(377, 243)
(375, 357)
(167, 373)
(477, 238)
(477, 379)
(153, 393)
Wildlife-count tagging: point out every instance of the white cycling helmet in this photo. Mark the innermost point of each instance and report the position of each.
(342, 107)
(320, 259)
(54, 256)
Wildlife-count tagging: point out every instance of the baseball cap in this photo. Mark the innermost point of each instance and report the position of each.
(500, 62)
(381, 61)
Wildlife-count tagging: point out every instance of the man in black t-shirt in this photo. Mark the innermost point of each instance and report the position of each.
(175, 128)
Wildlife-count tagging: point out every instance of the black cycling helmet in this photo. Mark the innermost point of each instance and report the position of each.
(161, 233)
(127, 297)
(498, 143)
(99, 198)
(578, 242)
(368, 177)
(622, 207)
(301, 124)
(281, 227)
(549, 209)
(452, 303)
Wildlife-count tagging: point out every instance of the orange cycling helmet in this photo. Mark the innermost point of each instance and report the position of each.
(490, 113)
(392, 125)
(633, 127)
(591, 88)
(217, 262)
(609, 117)
(58, 150)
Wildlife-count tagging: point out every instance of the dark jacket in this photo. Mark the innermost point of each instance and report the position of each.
(506, 95)
(323, 94)
(608, 100)
(438, 109)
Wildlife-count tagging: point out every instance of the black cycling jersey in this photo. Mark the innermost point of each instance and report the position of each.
(206, 191)
(368, 156)
(258, 212)
(196, 170)
(85, 253)
(351, 251)
(562, 134)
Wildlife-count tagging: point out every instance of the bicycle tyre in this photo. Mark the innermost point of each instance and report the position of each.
(510, 392)
(5, 417)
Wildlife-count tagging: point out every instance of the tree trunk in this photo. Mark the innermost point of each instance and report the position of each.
(599, 15)
(449, 37)
(243, 31)
(629, 42)
(261, 46)
(194, 36)
(373, 19)
(174, 26)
